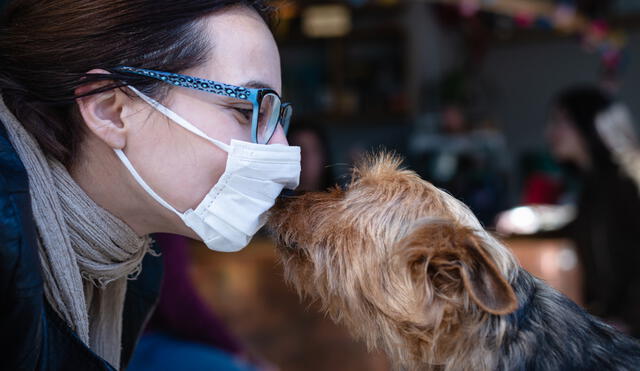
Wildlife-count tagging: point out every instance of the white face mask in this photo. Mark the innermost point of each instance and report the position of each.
(235, 208)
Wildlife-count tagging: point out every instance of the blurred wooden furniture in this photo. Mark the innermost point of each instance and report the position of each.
(553, 260)
(247, 290)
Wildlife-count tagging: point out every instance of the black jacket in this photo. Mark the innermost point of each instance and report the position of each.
(32, 335)
(605, 232)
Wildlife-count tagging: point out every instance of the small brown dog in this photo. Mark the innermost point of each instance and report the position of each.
(409, 269)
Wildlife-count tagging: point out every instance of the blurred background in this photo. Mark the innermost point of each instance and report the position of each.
(523, 109)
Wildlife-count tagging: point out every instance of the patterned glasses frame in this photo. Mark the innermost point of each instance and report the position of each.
(255, 96)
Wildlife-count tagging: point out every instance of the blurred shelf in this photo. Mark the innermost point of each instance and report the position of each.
(371, 119)
(381, 33)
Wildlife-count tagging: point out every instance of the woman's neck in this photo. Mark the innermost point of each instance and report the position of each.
(99, 173)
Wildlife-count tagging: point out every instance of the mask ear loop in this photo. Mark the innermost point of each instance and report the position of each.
(179, 120)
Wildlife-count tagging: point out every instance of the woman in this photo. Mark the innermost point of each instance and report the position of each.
(605, 230)
(118, 121)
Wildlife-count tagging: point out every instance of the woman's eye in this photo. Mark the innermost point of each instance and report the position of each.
(246, 113)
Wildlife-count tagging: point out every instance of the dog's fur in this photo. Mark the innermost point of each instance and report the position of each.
(409, 269)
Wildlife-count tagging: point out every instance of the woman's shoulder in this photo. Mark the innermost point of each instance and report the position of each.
(37, 332)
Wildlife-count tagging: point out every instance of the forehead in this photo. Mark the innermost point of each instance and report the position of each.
(242, 49)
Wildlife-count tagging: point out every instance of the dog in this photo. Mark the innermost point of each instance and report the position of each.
(409, 269)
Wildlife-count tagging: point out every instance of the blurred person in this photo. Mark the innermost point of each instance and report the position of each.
(466, 159)
(605, 227)
(120, 119)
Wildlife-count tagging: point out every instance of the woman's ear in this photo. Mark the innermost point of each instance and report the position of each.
(102, 112)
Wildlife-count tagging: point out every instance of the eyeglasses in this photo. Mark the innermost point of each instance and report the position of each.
(268, 109)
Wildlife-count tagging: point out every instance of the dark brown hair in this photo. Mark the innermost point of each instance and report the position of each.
(583, 103)
(46, 48)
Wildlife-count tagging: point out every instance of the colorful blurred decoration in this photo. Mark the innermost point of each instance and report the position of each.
(469, 8)
(524, 20)
(563, 16)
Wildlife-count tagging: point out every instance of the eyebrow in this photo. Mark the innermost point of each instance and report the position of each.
(255, 84)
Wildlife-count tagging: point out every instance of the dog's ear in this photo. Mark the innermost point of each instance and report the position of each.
(448, 260)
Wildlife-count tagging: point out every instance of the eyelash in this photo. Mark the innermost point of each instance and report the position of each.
(246, 113)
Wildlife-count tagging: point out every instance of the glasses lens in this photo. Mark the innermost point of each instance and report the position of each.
(287, 112)
(268, 117)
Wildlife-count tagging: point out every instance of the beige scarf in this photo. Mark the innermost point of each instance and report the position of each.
(87, 254)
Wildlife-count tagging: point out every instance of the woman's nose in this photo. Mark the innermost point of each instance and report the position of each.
(278, 136)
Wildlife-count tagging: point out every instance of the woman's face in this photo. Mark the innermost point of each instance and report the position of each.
(180, 166)
(565, 141)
